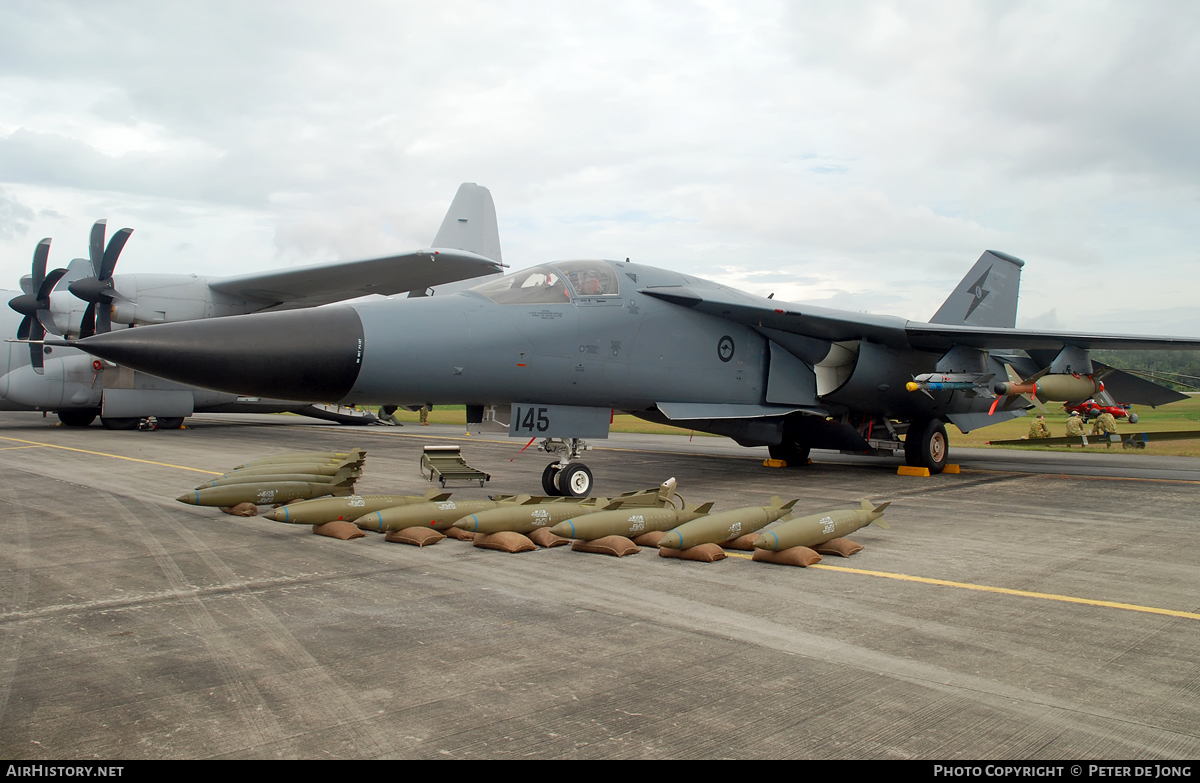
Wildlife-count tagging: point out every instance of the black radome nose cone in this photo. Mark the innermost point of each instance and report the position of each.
(309, 355)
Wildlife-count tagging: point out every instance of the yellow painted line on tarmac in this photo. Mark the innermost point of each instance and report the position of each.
(104, 454)
(14, 448)
(1003, 590)
(1080, 476)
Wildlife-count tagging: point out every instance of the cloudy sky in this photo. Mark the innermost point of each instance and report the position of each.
(860, 155)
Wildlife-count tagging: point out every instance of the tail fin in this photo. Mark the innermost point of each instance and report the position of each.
(704, 508)
(435, 494)
(1014, 378)
(471, 223)
(987, 296)
(790, 503)
(874, 509)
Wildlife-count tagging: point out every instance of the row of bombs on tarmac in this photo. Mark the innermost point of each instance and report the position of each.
(616, 526)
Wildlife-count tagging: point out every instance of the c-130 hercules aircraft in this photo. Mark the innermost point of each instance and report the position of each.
(552, 351)
(88, 298)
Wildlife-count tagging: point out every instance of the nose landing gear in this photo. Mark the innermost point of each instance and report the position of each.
(566, 478)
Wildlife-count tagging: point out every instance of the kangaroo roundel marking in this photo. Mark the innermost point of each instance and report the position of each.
(725, 348)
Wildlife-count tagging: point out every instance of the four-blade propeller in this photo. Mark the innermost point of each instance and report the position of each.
(34, 304)
(99, 289)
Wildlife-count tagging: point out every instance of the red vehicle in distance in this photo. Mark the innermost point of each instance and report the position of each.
(1090, 409)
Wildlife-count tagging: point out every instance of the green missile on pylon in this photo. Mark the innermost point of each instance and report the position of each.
(347, 508)
(263, 494)
(726, 525)
(628, 522)
(1055, 388)
(816, 529)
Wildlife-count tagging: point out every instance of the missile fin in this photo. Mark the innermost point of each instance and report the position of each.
(790, 503)
(704, 508)
(776, 501)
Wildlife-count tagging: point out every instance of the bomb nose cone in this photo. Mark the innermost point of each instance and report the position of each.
(313, 354)
(767, 540)
(671, 540)
(191, 498)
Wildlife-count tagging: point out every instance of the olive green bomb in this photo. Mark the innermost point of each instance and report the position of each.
(312, 478)
(315, 468)
(348, 508)
(521, 518)
(304, 456)
(265, 493)
(725, 525)
(531, 515)
(439, 515)
(816, 529)
(628, 522)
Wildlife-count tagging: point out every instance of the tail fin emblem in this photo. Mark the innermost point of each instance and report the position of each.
(978, 292)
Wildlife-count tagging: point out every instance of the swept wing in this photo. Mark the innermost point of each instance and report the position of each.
(835, 325)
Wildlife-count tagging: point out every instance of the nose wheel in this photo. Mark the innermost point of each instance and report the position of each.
(572, 480)
(549, 477)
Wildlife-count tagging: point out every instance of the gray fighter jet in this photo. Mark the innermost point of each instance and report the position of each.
(88, 298)
(550, 352)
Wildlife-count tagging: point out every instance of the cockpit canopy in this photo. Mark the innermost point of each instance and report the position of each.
(553, 283)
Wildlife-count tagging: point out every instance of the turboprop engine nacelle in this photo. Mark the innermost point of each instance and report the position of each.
(1057, 388)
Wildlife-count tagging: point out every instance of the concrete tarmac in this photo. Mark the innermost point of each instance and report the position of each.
(1035, 606)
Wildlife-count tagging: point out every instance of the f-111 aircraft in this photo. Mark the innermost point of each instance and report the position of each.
(551, 351)
(87, 298)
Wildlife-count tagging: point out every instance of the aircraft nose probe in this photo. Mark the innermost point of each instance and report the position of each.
(290, 355)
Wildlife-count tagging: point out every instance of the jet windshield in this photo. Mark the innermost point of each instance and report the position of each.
(553, 283)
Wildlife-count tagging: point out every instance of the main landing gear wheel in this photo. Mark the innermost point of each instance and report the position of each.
(77, 418)
(793, 454)
(575, 481)
(172, 423)
(926, 445)
(119, 424)
(548, 479)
